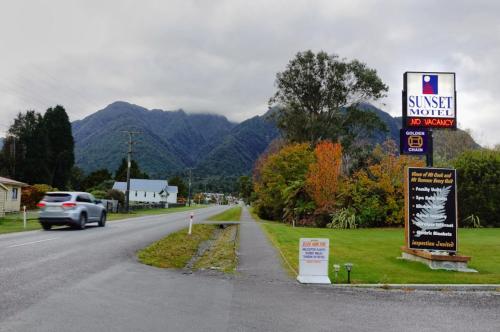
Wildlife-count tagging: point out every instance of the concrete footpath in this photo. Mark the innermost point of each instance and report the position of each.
(258, 260)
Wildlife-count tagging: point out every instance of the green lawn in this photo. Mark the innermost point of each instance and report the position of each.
(14, 222)
(233, 214)
(374, 254)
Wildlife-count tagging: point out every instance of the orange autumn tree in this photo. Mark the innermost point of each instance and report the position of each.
(322, 182)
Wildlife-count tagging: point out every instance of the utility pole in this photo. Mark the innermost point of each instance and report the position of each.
(189, 186)
(129, 162)
(13, 154)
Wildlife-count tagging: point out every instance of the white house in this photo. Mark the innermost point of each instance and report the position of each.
(10, 195)
(149, 191)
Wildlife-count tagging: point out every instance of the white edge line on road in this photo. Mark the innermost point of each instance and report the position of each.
(32, 242)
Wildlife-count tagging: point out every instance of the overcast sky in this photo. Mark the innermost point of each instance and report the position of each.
(222, 56)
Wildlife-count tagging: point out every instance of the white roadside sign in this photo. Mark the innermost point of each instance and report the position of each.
(313, 261)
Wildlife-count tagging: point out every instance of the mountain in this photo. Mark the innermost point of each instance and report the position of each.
(168, 142)
(236, 153)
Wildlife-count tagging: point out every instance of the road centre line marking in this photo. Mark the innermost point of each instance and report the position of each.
(32, 242)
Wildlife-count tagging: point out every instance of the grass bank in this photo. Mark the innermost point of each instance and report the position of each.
(222, 254)
(175, 250)
(233, 214)
(374, 254)
(179, 248)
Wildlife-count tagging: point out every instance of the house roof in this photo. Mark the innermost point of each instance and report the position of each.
(143, 185)
(172, 189)
(12, 182)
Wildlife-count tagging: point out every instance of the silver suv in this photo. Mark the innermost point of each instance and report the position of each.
(74, 209)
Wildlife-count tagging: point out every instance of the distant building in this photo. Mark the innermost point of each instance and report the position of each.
(10, 195)
(149, 191)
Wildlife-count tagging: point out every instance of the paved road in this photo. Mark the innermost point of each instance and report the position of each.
(90, 281)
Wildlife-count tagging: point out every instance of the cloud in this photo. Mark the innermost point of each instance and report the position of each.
(222, 56)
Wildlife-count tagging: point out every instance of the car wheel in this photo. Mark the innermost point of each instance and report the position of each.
(102, 221)
(82, 221)
(46, 227)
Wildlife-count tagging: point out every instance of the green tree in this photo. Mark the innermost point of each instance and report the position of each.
(245, 188)
(7, 157)
(61, 151)
(28, 149)
(96, 178)
(76, 179)
(479, 186)
(181, 185)
(319, 97)
(135, 172)
(275, 173)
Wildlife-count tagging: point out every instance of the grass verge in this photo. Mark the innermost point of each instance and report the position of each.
(233, 214)
(150, 212)
(175, 250)
(8, 225)
(374, 254)
(14, 222)
(222, 255)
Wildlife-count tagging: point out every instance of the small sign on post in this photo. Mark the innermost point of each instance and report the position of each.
(415, 141)
(313, 261)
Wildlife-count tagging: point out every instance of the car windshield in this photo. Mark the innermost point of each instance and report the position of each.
(57, 198)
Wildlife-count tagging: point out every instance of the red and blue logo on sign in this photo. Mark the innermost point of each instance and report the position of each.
(430, 84)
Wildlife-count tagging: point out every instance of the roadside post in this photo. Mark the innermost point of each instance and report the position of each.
(24, 216)
(191, 216)
(313, 261)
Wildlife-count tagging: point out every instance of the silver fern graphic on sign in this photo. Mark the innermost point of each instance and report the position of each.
(433, 214)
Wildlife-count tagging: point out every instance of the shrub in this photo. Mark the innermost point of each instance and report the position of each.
(343, 219)
(116, 195)
(376, 193)
(478, 181)
(33, 194)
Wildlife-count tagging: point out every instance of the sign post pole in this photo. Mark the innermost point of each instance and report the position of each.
(429, 157)
(24, 216)
(190, 223)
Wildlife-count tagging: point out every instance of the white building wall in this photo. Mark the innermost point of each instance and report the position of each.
(172, 198)
(146, 197)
